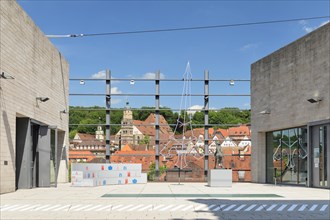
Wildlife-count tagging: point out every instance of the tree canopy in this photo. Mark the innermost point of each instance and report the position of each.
(80, 116)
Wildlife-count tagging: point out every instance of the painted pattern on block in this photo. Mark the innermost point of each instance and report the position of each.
(104, 174)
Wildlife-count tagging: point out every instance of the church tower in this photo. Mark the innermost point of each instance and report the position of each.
(127, 125)
(99, 134)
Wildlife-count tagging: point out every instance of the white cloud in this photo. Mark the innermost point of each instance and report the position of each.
(152, 76)
(115, 90)
(307, 28)
(249, 46)
(99, 75)
(195, 109)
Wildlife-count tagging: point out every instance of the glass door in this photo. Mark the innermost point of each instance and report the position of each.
(320, 161)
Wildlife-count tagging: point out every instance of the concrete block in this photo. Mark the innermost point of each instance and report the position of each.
(220, 177)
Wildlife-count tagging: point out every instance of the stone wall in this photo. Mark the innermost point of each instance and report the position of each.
(39, 70)
(281, 83)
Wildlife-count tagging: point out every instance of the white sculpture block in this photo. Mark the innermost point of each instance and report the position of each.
(220, 177)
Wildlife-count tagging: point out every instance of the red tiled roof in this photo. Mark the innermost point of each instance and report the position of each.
(86, 137)
(143, 157)
(80, 152)
(134, 152)
(81, 155)
(126, 148)
(146, 128)
(242, 130)
(224, 132)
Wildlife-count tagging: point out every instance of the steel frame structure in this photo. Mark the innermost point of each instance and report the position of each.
(157, 95)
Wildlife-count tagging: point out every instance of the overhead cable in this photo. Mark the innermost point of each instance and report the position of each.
(186, 28)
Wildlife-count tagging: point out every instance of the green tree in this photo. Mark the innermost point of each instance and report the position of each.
(80, 116)
(198, 118)
(152, 171)
(72, 134)
(145, 140)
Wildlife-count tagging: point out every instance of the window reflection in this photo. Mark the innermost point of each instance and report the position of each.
(325, 156)
(287, 156)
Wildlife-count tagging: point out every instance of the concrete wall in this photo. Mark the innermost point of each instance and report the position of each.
(39, 70)
(281, 83)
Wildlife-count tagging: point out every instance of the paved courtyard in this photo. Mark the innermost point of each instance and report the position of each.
(167, 201)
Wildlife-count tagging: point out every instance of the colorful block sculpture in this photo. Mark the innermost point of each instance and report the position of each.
(86, 174)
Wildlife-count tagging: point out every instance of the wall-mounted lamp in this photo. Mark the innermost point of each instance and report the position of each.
(265, 112)
(315, 100)
(132, 82)
(231, 82)
(42, 99)
(63, 112)
(82, 82)
(6, 76)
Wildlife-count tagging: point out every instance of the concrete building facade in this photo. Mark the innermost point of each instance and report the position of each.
(33, 104)
(290, 114)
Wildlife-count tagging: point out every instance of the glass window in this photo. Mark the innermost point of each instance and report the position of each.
(325, 156)
(287, 156)
(302, 152)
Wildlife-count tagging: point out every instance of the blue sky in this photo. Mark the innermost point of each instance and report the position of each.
(226, 52)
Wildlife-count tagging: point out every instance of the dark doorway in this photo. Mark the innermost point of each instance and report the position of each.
(23, 153)
(33, 154)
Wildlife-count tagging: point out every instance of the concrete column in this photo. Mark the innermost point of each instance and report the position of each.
(258, 157)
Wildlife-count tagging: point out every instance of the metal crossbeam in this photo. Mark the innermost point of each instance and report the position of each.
(130, 94)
